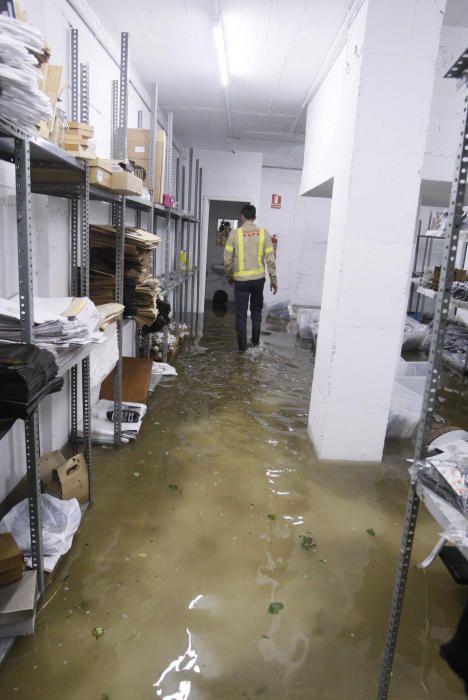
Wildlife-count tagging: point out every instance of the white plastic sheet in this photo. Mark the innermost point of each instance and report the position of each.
(60, 521)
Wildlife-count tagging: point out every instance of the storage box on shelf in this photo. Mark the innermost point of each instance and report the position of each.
(138, 147)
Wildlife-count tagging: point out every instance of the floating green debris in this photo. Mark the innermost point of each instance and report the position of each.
(105, 696)
(275, 608)
(174, 487)
(265, 636)
(272, 516)
(98, 632)
(83, 605)
(136, 475)
(323, 561)
(308, 542)
(370, 531)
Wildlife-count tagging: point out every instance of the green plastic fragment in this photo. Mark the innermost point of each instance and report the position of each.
(275, 608)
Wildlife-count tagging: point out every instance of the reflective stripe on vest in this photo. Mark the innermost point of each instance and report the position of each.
(260, 270)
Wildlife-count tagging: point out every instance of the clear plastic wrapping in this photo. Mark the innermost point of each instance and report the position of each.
(457, 535)
(448, 478)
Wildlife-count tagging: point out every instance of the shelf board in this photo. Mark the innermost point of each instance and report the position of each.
(43, 153)
(425, 292)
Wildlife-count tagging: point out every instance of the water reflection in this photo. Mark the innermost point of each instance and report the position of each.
(184, 663)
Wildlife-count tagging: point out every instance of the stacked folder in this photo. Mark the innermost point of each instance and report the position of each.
(27, 374)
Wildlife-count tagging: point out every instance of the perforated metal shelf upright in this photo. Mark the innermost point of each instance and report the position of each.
(79, 277)
(25, 151)
(458, 71)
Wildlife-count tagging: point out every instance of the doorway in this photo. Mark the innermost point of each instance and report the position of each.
(220, 211)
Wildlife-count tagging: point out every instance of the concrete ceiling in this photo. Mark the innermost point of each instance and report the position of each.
(275, 51)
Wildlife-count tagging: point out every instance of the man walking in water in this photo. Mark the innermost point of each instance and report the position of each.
(247, 249)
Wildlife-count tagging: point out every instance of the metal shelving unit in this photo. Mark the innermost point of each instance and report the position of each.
(457, 199)
(26, 151)
(175, 284)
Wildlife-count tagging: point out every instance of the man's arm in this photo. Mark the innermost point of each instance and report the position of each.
(271, 262)
(229, 258)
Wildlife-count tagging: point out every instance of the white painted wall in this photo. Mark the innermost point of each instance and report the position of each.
(327, 117)
(302, 228)
(446, 109)
(51, 215)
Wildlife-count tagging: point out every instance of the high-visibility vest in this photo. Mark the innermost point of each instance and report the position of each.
(241, 272)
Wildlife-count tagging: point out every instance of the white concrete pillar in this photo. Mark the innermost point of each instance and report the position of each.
(385, 104)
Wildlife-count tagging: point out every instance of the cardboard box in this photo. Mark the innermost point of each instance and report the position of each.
(51, 82)
(126, 183)
(81, 128)
(65, 478)
(138, 141)
(18, 607)
(11, 559)
(100, 171)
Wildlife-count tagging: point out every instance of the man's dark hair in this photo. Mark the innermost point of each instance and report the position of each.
(249, 212)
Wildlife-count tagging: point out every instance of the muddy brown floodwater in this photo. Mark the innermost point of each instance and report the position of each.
(219, 510)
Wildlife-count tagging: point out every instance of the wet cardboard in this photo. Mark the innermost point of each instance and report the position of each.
(18, 607)
(65, 478)
(11, 559)
(136, 377)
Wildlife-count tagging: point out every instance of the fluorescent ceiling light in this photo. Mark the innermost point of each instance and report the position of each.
(221, 51)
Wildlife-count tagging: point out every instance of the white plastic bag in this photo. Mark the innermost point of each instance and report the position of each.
(60, 521)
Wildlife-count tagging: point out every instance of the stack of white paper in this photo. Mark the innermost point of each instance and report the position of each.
(21, 100)
(58, 322)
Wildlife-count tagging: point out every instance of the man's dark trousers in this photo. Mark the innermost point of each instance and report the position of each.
(244, 292)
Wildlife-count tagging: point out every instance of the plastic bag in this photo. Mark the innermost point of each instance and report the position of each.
(457, 535)
(279, 310)
(60, 521)
(306, 320)
(414, 334)
(447, 478)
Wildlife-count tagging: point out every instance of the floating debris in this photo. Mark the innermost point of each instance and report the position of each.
(370, 531)
(265, 636)
(271, 516)
(308, 542)
(136, 475)
(98, 632)
(275, 608)
(174, 487)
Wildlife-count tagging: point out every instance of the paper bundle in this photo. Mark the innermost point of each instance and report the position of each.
(21, 49)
